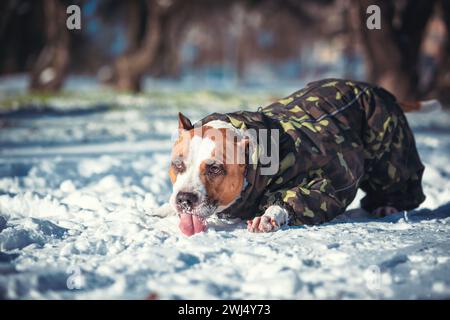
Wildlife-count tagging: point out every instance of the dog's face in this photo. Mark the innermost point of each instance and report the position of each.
(207, 172)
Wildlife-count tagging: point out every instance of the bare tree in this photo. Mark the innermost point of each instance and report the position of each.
(441, 81)
(392, 53)
(50, 68)
(130, 67)
(157, 49)
(174, 22)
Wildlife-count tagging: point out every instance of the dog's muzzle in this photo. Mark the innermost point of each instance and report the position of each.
(190, 222)
(186, 201)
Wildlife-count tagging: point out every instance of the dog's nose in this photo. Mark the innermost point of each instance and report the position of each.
(187, 200)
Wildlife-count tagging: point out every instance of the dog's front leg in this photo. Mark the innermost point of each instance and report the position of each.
(272, 219)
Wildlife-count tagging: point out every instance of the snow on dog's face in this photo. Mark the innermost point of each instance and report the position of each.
(207, 171)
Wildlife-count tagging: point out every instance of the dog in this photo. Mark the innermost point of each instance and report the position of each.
(327, 140)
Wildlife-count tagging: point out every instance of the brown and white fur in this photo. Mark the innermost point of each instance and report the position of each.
(199, 168)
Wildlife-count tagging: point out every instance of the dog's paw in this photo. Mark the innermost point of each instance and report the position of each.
(272, 219)
(383, 211)
(262, 224)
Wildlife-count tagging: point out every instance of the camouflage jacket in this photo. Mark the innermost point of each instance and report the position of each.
(335, 136)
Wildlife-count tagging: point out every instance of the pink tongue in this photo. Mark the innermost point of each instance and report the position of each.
(190, 224)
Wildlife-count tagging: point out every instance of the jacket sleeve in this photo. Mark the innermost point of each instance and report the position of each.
(310, 203)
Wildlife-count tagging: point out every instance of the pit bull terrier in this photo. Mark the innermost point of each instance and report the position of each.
(326, 141)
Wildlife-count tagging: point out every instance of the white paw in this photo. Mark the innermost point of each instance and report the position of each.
(166, 210)
(274, 217)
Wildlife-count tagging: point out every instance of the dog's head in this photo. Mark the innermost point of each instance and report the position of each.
(207, 171)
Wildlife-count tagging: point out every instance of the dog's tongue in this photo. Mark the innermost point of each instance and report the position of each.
(190, 224)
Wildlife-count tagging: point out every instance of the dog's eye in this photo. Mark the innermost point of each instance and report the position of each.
(215, 169)
(178, 165)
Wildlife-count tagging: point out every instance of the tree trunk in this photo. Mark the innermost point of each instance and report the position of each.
(50, 68)
(130, 67)
(135, 24)
(392, 52)
(442, 81)
(173, 26)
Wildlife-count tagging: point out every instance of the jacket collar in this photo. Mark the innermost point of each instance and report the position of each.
(246, 206)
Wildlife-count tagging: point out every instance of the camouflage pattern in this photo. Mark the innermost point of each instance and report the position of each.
(335, 136)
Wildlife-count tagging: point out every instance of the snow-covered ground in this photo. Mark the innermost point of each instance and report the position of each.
(77, 186)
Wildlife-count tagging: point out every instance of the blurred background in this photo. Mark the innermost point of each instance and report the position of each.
(232, 44)
(88, 118)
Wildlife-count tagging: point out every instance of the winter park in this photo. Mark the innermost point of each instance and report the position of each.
(90, 130)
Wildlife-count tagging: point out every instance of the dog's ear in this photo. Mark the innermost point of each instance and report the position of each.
(184, 123)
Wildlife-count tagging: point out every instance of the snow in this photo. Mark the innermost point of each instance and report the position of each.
(77, 190)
